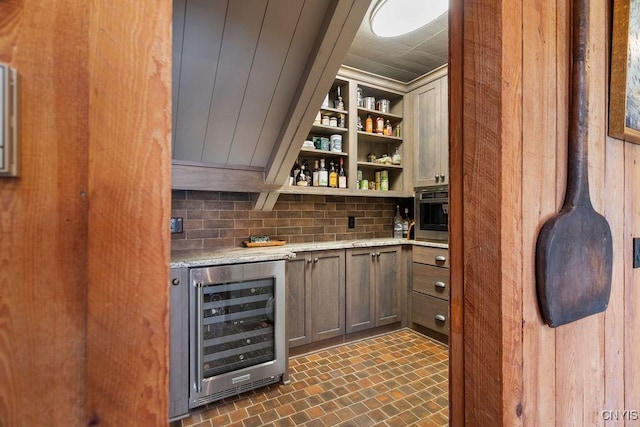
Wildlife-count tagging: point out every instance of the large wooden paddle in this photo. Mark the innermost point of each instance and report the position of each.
(574, 249)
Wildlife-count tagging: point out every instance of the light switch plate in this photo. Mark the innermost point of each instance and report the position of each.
(8, 121)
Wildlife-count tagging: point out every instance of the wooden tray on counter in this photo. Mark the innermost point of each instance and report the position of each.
(264, 244)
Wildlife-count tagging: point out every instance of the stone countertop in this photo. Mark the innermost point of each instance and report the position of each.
(204, 257)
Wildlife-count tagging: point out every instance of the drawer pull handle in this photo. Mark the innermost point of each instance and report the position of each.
(440, 285)
(440, 318)
(441, 258)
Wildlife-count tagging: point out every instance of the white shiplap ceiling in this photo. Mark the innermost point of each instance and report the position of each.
(403, 58)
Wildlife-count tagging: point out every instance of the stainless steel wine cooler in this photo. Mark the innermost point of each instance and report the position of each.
(236, 331)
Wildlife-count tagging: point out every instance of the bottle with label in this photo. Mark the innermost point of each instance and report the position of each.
(302, 177)
(342, 176)
(405, 224)
(368, 124)
(396, 159)
(342, 121)
(333, 176)
(380, 126)
(388, 129)
(295, 172)
(316, 175)
(308, 176)
(397, 224)
(323, 175)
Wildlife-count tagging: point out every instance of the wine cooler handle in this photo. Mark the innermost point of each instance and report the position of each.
(197, 385)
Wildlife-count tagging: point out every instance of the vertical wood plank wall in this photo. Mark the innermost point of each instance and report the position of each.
(511, 184)
(84, 246)
(43, 218)
(130, 200)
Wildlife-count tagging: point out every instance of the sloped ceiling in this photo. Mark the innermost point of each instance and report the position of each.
(239, 67)
(403, 58)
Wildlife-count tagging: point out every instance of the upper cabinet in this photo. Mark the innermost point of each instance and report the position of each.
(431, 134)
(359, 132)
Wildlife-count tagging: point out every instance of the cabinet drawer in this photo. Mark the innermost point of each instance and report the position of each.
(430, 312)
(431, 280)
(433, 256)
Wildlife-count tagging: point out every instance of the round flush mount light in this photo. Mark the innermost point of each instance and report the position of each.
(392, 18)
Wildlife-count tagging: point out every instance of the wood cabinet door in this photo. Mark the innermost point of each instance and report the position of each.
(360, 310)
(431, 133)
(327, 303)
(298, 299)
(388, 281)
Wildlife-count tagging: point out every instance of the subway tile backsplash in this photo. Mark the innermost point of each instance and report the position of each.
(222, 219)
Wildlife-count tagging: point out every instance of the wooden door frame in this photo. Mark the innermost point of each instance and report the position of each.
(485, 248)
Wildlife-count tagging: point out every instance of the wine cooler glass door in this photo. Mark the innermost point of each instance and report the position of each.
(236, 331)
(237, 326)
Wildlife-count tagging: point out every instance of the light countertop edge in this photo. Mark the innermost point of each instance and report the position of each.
(203, 257)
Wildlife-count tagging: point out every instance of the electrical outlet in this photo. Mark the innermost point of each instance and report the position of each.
(352, 222)
(176, 225)
(636, 252)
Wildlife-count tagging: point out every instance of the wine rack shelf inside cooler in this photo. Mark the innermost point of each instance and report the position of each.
(238, 329)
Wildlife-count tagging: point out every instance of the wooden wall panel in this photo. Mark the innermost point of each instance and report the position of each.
(632, 278)
(570, 374)
(129, 193)
(538, 183)
(513, 200)
(43, 217)
(580, 345)
(614, 342)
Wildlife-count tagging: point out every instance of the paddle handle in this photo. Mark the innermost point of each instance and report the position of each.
(577, 155)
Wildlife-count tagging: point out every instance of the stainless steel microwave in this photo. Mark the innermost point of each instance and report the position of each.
(432, 213)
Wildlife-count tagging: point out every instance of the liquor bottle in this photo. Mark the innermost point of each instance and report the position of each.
(380, 126)
(307, 170)
(396, 159)
(405, 224)
(342, 176)
(316, 175)
(397, 224)
(340, 105)
(388, 129)
(368, 124)
(323, 175)
(342, 121)
(333, 176)
(302, 178)
(295, 170)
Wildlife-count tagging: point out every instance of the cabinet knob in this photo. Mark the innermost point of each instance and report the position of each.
(175, 282)
(440, 318)
(315, 260)
(309, 261)
(440, 285)
(437, 177)
(442, 176)
(441, 258)
(373, 254)
(378, 254)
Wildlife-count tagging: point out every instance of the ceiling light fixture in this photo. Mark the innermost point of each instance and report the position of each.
(392, 18)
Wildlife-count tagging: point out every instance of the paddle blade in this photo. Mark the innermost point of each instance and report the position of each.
(573, 266)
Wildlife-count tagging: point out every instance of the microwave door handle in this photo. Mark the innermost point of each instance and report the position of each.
(197, 361)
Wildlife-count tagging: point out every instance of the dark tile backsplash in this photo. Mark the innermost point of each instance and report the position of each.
(221, 219)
